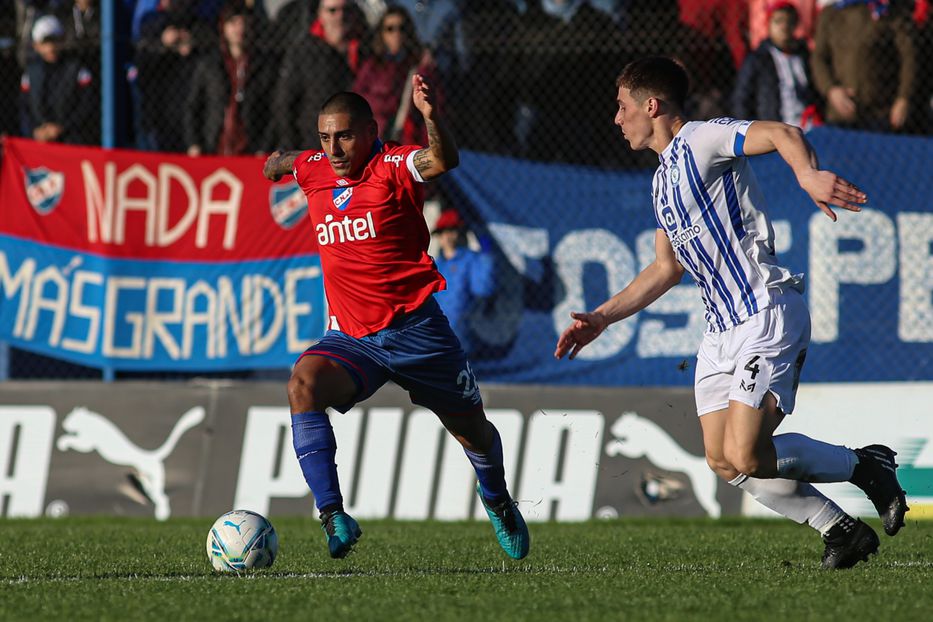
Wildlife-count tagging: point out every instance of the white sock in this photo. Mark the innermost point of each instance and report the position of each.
(798, 501)
(802, 458)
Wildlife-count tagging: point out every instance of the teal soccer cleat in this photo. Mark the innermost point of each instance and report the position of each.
(342, 532)
(511, 530)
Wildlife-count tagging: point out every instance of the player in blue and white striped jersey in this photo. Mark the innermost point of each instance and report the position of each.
(710, 217)
(711, 223)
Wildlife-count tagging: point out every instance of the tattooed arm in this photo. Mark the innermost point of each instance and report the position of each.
(279, 163)
(441, 153)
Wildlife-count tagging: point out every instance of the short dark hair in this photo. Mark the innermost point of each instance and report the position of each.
(656, 76)
(786, 7)
(350, 103)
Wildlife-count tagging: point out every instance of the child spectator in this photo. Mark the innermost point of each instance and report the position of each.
(774, 82)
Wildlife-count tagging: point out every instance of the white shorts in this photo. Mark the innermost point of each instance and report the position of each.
(764, 353)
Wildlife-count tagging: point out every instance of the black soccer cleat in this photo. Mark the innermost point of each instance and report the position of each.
(876, 474)
(848, 542)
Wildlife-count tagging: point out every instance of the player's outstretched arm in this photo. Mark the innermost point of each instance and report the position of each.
(824, 187)
(650, 284)
(279, 163)
(441, 154)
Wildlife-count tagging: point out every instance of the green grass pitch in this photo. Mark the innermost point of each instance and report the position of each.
(731, 569)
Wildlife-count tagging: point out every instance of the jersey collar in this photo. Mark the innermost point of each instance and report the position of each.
(345, 181)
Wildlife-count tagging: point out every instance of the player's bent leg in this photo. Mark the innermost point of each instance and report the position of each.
(798, 501)
(847, 540)
(483, 447)
(747, 439)
(316, 384)
(753, 450)
(713, 426)
(470, 428)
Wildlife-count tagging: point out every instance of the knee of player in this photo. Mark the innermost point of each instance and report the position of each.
(306, 393)
(721, 467)
(743, 460)
(750, 465)
(471, 429)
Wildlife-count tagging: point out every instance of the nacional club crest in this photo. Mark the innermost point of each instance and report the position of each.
(342, 197)
(288, 204)
(44, 188)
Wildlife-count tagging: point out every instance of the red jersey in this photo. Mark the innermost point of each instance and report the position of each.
(371, 236)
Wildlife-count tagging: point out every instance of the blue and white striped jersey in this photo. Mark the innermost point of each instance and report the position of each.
(707, 200)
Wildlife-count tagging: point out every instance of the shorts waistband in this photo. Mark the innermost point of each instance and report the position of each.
(428, 308)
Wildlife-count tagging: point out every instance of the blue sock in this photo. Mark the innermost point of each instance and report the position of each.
(316, 448)
(805, 459)
(489, 470)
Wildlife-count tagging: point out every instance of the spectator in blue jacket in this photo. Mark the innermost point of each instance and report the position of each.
(774, 83)
(469, 274)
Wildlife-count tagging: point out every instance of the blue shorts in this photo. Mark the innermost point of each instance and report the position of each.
(418, 351)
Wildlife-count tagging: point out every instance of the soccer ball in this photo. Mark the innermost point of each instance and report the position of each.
(241, 540)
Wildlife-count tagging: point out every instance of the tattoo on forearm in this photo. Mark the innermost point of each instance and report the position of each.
(287, 161)
(277, 164)
(282, 164)
(422, 160)
(426, 158)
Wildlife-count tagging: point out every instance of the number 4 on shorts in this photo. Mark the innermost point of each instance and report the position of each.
(750, 366)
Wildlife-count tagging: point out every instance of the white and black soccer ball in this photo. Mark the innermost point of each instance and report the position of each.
(242, 540)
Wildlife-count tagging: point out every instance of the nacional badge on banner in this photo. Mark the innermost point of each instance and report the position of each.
(44, 188)
(288, 204)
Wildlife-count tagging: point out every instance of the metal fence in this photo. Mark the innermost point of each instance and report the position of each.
(528, 79)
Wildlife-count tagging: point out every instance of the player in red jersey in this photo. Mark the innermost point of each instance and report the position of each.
(365, 199)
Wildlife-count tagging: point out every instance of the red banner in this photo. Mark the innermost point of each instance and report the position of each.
(140, 205)
(145, 261)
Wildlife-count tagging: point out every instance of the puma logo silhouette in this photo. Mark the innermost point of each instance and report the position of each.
(637, 436)
(87, 431)
(236, 526)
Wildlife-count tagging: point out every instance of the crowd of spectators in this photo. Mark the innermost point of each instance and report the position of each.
(529, 78)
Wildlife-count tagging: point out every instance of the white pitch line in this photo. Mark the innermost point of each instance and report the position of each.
(368, 574)
(310, 575)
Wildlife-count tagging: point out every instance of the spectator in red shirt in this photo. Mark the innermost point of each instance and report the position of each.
(397, 54)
